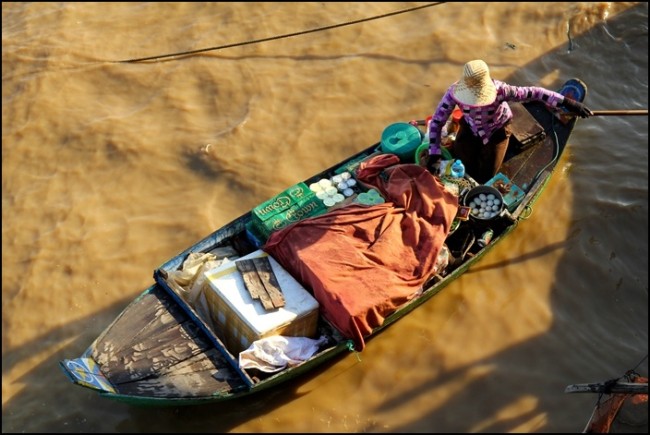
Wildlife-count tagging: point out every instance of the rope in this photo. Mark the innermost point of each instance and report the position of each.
(629, 376)
(556, 151)
(633, 371)
(288, 35)
(350, 346)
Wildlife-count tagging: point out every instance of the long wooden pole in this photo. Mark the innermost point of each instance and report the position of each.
(632, 112)
(620, 112)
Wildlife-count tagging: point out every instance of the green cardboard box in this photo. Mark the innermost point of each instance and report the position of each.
(311, 206)
(282, 201)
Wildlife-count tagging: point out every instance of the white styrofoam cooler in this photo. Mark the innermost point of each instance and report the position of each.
(240, 319)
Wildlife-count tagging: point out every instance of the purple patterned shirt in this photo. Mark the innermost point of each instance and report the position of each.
(485, 120)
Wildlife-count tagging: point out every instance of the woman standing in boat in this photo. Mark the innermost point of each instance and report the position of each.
(482, 141)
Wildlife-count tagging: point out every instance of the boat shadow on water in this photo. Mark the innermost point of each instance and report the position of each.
(144, 419)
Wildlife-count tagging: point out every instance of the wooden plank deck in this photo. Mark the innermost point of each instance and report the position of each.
(155, 350)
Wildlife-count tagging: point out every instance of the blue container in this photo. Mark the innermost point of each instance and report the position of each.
(402, 139)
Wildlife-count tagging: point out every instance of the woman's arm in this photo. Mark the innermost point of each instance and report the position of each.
(439, 119)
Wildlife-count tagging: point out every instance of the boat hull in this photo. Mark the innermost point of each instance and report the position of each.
(163, 351)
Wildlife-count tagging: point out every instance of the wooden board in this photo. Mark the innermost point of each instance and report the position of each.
(261, 282)
(524, 168)
(525, 128)
(267, 276)
(609, 388)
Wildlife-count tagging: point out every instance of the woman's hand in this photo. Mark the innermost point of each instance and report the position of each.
(577, 107)
(433, 163)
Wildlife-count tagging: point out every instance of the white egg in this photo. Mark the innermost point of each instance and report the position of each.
(491, 196)
(482, 196)
(497, 201)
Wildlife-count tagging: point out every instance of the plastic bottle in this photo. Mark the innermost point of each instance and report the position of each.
(458, 169)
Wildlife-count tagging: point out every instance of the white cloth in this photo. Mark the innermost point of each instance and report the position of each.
(274, 353)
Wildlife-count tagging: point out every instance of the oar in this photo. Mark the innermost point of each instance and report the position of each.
(620, 112)
(636, 112)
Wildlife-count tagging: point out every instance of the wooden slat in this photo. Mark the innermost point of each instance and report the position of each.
(268, 278)
(261, 282)
(617, 388)
(253, 283)
(525, 128)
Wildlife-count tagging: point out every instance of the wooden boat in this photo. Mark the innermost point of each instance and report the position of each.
(176, 345)
(622, 404)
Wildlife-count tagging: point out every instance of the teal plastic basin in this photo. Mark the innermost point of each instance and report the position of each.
(401, 139)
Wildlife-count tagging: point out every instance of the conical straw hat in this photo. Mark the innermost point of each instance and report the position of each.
(475, 86)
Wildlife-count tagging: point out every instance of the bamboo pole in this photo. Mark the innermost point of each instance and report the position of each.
(631, 112)
(620, 112)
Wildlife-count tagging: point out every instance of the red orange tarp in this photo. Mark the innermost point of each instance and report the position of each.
(363, 262)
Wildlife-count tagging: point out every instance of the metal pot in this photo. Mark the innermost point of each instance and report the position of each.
(487, 199)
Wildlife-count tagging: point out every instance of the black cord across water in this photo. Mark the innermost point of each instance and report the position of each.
(255, 41)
